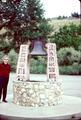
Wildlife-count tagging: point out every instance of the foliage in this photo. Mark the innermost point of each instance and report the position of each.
(4, 44)
(24, 20)
(1, 55)
(68, 56)
(74, 69)
(61, 17)
(68, 36)
(69, 61)
(13, 59)
(38, 65)
(75, 14)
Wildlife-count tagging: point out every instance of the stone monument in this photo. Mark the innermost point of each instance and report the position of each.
(37, 93)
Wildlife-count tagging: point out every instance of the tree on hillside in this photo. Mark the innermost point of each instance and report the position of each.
(68, 36)
(24, 20)
(80, 12)
(75, 15)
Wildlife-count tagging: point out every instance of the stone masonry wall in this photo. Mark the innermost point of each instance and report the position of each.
(36, 93)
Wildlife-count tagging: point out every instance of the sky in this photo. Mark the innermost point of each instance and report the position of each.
(55, 8)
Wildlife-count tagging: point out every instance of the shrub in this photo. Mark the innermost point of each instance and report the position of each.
(80, 69)
(1, 55)
(74, 69)
(13, 59)
(68, 56)
(38, 66)
(68, 35)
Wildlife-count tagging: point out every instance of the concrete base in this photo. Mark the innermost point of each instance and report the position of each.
(71, 107)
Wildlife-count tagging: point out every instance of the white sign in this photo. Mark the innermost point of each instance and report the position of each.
(52, 64)
(23, 66)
